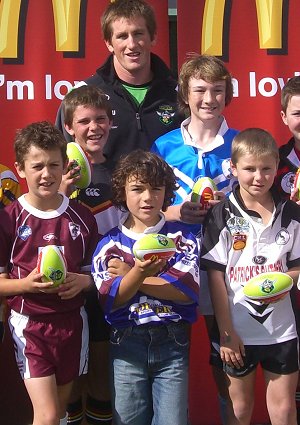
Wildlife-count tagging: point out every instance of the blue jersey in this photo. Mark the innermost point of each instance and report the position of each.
(181, 272)
(190, 162)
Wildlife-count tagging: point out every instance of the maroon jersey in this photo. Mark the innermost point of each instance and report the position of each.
(24, 230)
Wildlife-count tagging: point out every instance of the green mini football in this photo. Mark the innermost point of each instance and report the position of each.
(203, 191)
(268, 287)
(75, 153)
(52, 263)
(154, 246)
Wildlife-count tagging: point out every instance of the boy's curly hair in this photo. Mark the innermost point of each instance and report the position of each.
(146, 167)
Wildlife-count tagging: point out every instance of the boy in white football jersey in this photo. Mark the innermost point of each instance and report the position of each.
(251, 232)
(48, 325)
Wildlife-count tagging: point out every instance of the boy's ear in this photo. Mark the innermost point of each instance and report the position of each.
(283, 117)
(233, 168)
(19, 170)
(69, 130)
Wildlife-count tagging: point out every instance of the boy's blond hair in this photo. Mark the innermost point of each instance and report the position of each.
(291, 88)
(128, 9)
(253, 141)
(204, 67)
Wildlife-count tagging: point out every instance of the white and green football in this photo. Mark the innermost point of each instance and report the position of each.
(52, 263)
(268, 287)
(154, 246)
(203, 191)
(75, 153)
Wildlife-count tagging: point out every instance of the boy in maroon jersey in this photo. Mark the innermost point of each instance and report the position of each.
(48, 324)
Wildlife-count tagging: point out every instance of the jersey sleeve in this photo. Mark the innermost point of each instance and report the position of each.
(183, 269)
(214, 249)
(107, 286)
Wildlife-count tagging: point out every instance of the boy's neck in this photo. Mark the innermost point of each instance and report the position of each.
(202, 133)
(137, 226)
(297, 144)
(43, 204)
(263, 205)
(97, 158)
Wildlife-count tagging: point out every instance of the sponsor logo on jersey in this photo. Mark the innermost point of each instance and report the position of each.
(282, 237)
(49, 237)
(259, 259)
(243, 274)
(24, 232)
(239, 228)
(74, 230)
(148, 310)
(287, 182)
(166, 114)
(91, 191)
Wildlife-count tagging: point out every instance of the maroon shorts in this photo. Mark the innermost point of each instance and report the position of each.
(53, 345)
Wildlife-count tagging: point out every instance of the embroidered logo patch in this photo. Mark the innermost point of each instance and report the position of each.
(24, 232)
(166, 114)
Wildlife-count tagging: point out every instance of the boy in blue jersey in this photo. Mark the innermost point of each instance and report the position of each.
(151, 307)
(201, 147)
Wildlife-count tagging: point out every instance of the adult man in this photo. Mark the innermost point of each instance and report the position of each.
(139, 85)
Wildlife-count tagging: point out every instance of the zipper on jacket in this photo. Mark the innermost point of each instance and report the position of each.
(138, 121)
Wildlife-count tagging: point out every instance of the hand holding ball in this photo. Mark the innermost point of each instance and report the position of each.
(268, 287)
(52, 263)
(203, 191)
(154, 246)
(75, 153)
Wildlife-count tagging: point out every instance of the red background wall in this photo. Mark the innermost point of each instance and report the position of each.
(240, 49)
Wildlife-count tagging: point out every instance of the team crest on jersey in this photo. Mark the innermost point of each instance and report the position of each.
(239, 229)
(74, 230)
(282, 237)
(24, 232)
(287, 182)
(166, 114)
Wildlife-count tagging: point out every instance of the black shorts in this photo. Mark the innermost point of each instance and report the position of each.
(281, 358)
(99, 329)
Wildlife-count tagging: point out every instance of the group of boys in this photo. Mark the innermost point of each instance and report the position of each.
(150, 305)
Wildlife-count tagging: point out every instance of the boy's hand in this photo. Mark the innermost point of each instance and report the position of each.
(117, 267)
(69, 179)
(73, 285)
(149, 268)
(232, 349)
(192, 212)
(218, 196)
(33, 283)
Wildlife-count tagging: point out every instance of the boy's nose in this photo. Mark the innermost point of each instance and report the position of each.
(208, 96)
